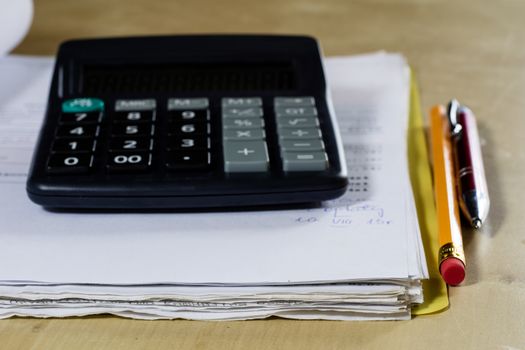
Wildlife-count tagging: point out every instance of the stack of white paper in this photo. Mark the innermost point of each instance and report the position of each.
(359, 257)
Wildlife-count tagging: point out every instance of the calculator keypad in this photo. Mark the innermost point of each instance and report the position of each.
(244, 139)
(76, 136)
(133, 134)
(300, 136)
(188, 134)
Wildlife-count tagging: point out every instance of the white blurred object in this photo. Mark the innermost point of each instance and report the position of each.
(15, 20)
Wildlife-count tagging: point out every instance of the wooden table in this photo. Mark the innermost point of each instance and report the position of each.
(473, 50)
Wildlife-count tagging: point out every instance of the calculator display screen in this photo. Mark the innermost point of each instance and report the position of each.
(188, 77)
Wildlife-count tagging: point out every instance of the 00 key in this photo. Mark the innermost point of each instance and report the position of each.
(128, 161)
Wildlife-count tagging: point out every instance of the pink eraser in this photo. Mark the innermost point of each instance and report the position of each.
(453, 271)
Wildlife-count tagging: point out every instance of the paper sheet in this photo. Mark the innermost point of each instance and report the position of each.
(273, 246)
(284, 247)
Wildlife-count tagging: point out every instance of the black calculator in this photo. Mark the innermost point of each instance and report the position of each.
(197, 121)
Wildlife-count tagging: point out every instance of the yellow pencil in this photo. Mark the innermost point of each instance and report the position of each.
(451, 256)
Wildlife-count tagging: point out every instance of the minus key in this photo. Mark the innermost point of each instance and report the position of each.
(301, 145)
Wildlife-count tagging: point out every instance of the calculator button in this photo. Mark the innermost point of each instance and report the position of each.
(241, 102)
(188, 143)
(243, 123)
(299, 133)
(188, 160)
(74, 145)
(86, 104)
(128, 161)
(304, 101)
(297, 122)
(187, 128)
(136, 129)
(295, 111)
(245, 156)
(187, 103)
(183, 115)
(80, 118)
(69, 163)
(250, 112)
(135, 105)
(77, 131)
(240, 135)
(130, 144)
(301, 145)
(134, 116)
(304, 161)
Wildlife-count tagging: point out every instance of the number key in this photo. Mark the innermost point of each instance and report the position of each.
(132, 129)
(130, 144)
(80, 118)
(187, 128)
(188, 143)
(77, 131)
(74, 145)
(69, 163)
(128, 161)
(134, 116)
(200, 115)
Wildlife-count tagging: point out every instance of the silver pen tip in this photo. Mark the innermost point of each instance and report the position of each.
(476, 223)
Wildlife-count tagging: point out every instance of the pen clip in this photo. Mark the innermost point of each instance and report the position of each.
(452, 113)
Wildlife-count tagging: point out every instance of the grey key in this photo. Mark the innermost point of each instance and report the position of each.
(304, 101)
(241, 102)
(187, 103)
(135, 105)
(242, 123)
(297, 122)
(299, 133)
(245, 156)
(304, 161)
(241, 135)
(295, 111)
(248, 112)
(301, 145)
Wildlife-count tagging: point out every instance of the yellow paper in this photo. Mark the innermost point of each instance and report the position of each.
(434, 289)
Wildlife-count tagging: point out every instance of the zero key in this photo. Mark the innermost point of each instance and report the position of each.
(69, 163)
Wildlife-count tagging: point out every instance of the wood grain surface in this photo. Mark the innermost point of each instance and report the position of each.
(472, 50)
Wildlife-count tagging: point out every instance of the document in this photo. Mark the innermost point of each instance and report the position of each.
(357, 257)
